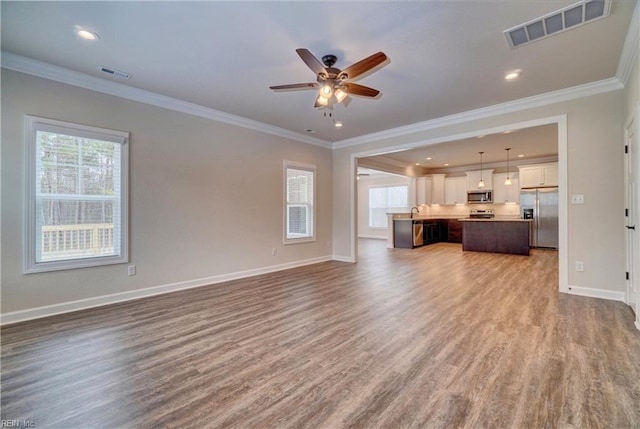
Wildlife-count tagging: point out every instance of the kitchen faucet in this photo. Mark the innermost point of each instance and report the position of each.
(417, 211)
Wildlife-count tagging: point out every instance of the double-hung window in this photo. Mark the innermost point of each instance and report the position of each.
(299, 224)
(386, 199)
(76, 202)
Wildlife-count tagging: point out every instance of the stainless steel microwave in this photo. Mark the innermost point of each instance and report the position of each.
(480, 197)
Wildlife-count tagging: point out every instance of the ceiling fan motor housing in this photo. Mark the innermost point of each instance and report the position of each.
(329, 60)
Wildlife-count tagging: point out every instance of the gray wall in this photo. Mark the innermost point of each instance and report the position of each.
(206, 198)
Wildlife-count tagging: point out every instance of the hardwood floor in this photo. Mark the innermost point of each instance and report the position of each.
(427, 338)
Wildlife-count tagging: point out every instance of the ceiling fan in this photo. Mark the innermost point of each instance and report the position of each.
(336, 85)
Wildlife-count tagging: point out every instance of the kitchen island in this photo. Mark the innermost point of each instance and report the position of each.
(496, 235)
(407, 232)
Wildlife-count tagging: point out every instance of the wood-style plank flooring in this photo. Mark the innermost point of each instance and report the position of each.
(426, 338)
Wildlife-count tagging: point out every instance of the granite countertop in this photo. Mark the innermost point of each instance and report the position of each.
(405, 216)
(498, 219)
(428, 218)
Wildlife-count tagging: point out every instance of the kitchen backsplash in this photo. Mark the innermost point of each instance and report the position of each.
(500, 210)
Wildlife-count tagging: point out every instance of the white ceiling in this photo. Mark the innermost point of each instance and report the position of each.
(446, 56)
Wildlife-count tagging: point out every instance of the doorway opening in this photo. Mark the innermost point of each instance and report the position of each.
(465, 144)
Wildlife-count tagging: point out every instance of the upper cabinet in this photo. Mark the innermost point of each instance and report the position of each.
(424, 190)
(533, 176)
(473, 178)
(505, 193)
(455, 190)
(437, 189)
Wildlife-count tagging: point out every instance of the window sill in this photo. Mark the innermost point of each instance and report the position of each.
(288, 241)
(44, 267)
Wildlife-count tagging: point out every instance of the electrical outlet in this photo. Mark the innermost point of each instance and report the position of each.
(579, 266)
(274, 251)
(131, 270)
(577, 198)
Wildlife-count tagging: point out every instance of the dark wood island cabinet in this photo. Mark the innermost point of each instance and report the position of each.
(454, 230)
(498, 236)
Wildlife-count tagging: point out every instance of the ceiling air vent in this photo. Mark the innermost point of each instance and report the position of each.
(561, 20)
(115, 73)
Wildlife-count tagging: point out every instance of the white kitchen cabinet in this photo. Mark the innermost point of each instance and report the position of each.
(424, 190)
(455, 190)
(473, 178)
(506, 193)
(532, 176)
(437, 189)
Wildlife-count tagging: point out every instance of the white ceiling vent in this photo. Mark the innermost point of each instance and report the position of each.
(115, 73)
(572, 16)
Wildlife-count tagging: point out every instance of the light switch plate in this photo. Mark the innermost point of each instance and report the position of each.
(577, 198)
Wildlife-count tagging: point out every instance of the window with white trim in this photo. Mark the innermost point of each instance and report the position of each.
(386, 199)
(77, 211)
(299, 223)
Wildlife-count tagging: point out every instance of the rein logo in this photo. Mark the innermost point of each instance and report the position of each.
(17, 423)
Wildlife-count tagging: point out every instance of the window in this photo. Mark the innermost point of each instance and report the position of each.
(299, 202)
(386, 199)
(76, 196)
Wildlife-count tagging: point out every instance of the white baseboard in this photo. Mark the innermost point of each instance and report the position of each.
(596, 293)
(377, 237)
(83, 304)
(343, 258)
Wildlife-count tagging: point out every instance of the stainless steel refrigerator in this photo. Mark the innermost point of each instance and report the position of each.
(541, 205)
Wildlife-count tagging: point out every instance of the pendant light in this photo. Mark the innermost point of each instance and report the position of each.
(481, 182)
(508, 181)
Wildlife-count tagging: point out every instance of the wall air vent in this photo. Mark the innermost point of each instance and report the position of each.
(572, 16)
(115, 73)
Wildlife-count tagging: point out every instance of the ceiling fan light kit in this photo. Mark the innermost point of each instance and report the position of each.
(335, 85)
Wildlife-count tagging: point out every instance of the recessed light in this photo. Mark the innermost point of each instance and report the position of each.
(446, 165)
(513, 74)
(507, 132)
(338, 124)
(85, 33)
(417, 163)
(428, 158)
(521, 155)
(480, 137)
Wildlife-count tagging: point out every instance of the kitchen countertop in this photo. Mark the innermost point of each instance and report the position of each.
(504, 219)
(424, 218)
(420, 217)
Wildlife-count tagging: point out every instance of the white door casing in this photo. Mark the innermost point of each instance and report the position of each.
(632, 211)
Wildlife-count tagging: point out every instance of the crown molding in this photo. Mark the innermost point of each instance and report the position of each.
(629, 54)
(579, 91)
(44, 70)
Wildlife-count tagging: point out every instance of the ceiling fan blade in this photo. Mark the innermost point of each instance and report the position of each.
(294, 86)
(363, 66)
(312, 62)
(364, 91)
